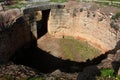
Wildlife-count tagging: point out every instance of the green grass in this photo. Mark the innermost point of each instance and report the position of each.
(102, 3)
(107, 3)
(107, 74)
(78, 49)
(19, 5)
(113, 0)
(58, 0)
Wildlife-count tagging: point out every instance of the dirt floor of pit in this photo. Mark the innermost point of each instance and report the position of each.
(51, 44)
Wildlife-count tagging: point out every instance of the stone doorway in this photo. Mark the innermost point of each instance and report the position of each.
(42, 24)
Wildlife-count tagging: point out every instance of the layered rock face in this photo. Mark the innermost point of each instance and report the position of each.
(84, 21)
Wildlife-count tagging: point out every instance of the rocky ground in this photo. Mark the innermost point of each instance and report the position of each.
(16, 71)
(11, 71)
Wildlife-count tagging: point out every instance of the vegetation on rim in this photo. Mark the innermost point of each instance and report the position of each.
(114, 20)
(107, 74)
(19, 5)
(116, 16)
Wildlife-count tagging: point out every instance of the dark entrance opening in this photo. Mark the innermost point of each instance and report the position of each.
(42, 24)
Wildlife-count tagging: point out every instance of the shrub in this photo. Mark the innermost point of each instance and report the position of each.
(107, 74)
(74, 12)
(115, 26)
(81, 9)
(94, 15)
(116, 16)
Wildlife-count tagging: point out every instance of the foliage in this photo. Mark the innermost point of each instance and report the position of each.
(81, 49)
(114, 24)
(114, 0)
(102, 3)
(19, 5)
(107, 74)
(108, 3)
(116, 16)
(58, 0)
(81, 9)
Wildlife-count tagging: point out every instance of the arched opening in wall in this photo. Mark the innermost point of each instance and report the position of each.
(42, 24)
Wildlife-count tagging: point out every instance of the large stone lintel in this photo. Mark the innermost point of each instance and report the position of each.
(43, 7)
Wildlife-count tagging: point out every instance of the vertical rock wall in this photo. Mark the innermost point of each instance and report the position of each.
(83, 23)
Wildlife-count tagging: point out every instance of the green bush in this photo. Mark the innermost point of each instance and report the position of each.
(114, 0)
(20, 5)
(107, 74)
(116, 16)
(81, 9)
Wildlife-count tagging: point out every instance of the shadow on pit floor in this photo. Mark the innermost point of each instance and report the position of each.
(47, 63)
